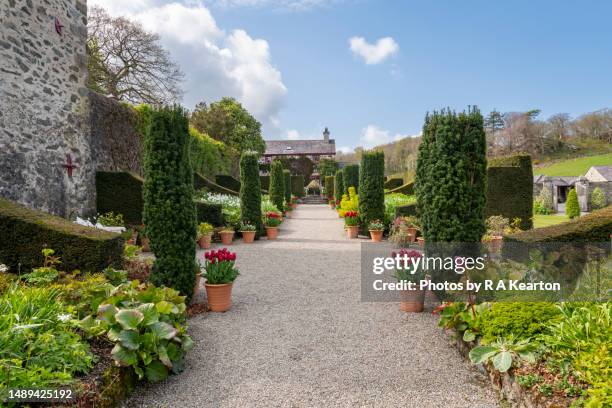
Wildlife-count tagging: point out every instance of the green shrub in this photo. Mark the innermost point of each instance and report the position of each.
(210, 213)
(250, 192)
(544, 203)
(329, 187)
(350, 177)
(121, 193)
(593, 227)
(327, 167)
(202, 183)
(209, 156)
(228, 182)
(395, 200)
(338, 185)
(451, 177)
(297, 185)
(287, 185)
(277, 184)
(598, 199)
(521, 320)
(406, 210)
(510, 189)
(169, 210)
(265, 182)
(393, 183)
(572, 208)
(371, 190)
(407, 189)
(24, 232)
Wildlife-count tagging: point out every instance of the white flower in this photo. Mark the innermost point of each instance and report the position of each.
(3, 268)
(64, 317)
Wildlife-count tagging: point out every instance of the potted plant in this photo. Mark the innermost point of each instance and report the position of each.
(351, 222)
(271, 221)
(496, 226)
(376, 229)
(205, 231)
(294, 202)
(220, 273)
(411, 300)
(227, 235)
(332, 204)
(248, 232)
(288, 209)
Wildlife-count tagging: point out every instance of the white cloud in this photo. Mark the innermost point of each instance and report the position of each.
(293, 134)
(372, 136)
(290, 5)
(216, 63)
(345, 149)
(373, 53)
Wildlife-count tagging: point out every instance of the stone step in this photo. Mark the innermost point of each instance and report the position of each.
(314, 200)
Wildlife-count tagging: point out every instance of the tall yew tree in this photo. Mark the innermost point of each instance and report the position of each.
(169, 210)
(250, 190)
(277, 184)
(287, 180)
(338, 185)
(351, 177)
(451, 177)
(371, 187)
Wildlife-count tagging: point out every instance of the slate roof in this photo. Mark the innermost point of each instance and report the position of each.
(299, 147)
(605, 171)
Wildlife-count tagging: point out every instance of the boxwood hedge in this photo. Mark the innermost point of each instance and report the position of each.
(121, 193)
(228, 182)
(24, 232)
(297, 185)
(210, 213)
(200, 182)
(393, 182)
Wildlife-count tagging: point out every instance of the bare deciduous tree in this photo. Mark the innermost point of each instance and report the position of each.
(128, 63)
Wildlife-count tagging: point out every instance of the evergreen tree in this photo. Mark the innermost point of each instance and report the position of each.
(351, 177)
(329, 187)
(250, 190)
(338, 185)
(169, 210)
(287, 180)
(371, 187)
(598, 199)
(277, 184)
(327, 167)
(572, 208)
(451, 177)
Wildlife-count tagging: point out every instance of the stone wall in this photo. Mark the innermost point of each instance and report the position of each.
(44, 110)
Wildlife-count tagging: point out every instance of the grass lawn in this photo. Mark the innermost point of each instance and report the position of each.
(575, 167)
(540, 221)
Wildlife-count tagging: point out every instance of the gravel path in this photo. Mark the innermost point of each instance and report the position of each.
(298, 336)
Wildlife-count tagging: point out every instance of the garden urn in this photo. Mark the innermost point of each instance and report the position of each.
(412, 301)
(272, 232)
(352, 231)
(226, 237)
(248, 236)
(205, 241)
(219, 297)
(376, 235)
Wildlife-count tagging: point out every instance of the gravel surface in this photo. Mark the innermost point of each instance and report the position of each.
(299, 336)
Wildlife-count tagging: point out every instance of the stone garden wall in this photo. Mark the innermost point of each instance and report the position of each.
(44, 110)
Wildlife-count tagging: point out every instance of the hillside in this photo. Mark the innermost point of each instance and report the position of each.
(574, 167)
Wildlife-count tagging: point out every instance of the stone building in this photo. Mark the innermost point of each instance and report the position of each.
(596, 176)
(315, 150)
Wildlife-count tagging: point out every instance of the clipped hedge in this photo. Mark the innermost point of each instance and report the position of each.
(24, 232)
(406, 210)
(593, 227)
(407, 189)
(121, 193)
(371, 190)
(265, 182)
(338, 185)
(228, 182)
(277, 185)
(200, 182)
(297, 185)
(250, 193)
(210, 213)
(350, 176)
(510, 188)
(287, 186)
(393, 183)
(329, 188)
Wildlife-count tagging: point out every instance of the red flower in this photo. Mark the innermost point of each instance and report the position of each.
(351, 214)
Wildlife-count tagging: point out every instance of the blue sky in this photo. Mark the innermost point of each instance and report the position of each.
(291, 63)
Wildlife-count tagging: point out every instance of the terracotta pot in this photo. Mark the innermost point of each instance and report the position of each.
(196, 288)
(272, 232)
(376, 235)
(421, 241)
(412, 233)
(226, 237)
(145, 243)
(412, 301)
(352, 231)
(496, 242)
(219, 297)
(248, 236)
(133, 239)
(204, 241)
(294, 205)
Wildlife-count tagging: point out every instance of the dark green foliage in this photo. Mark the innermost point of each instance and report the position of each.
(209, 156)
(522, 320)
(451, 177)
(327, 167)
(169, 210)
(24, 232)
(406, 210)
(392, 183)
(210, 213)
(277, 184)
(593, 227)
(265, 182)
(510, 189)
(297, 185)
(121, 193)
(202, 183)
(287, 186)
(338, 185)
(407, 189)
(329, 187)
(350, 175)
(572, 208)
(250, 193)
(228, 181)
(371, 190)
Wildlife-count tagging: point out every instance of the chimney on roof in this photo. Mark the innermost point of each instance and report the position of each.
(326, 135)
